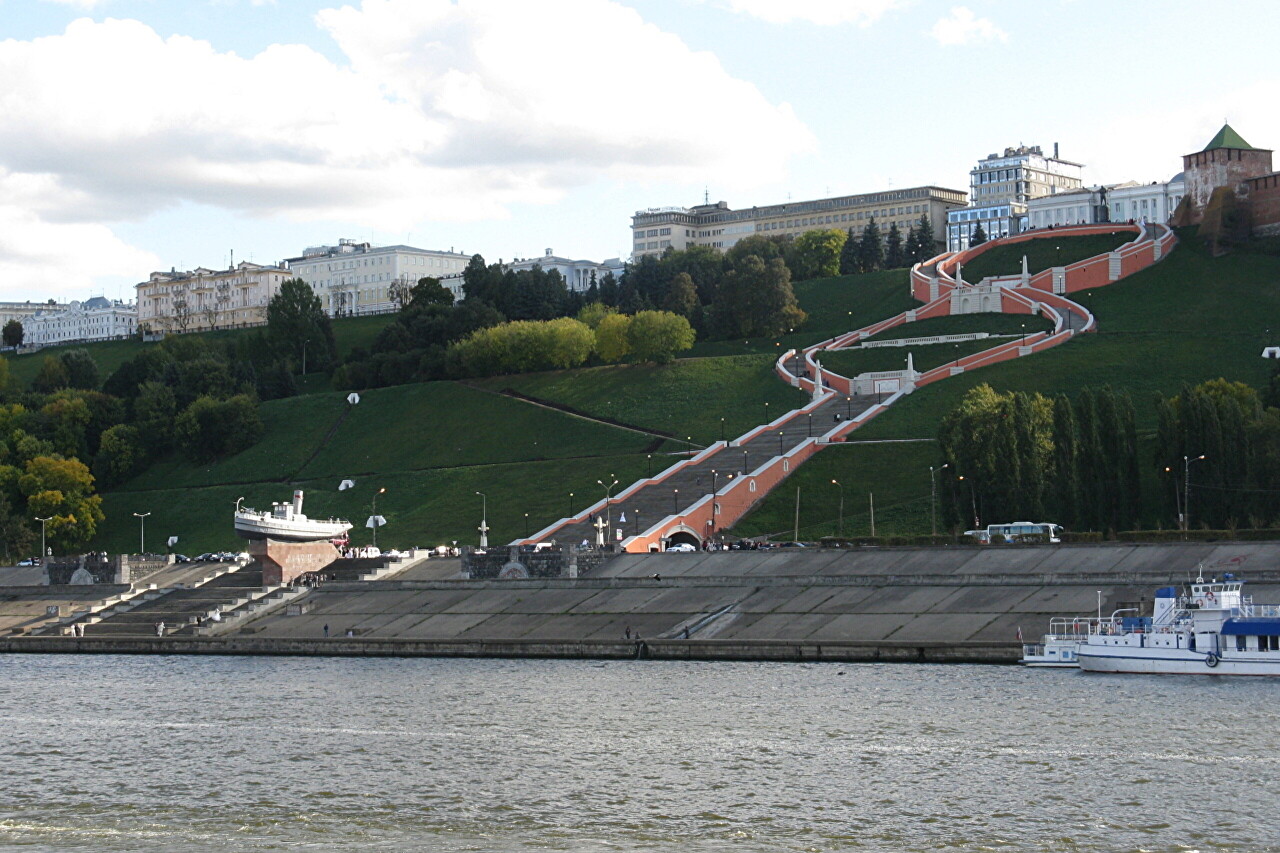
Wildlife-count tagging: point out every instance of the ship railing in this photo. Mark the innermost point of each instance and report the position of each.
(1248, 608)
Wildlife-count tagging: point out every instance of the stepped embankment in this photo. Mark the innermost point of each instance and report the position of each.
(891, 604)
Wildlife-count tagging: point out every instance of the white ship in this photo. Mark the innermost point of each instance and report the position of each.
(1059, 647)
(286, 522)
(1213, 630)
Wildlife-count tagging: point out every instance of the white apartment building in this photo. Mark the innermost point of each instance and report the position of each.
(201, 299)
(359, 278)
(657, 228)
(1001, 186)
(1085, 206)
(1154, 202)
(96, 319)
(23, 311)
(577, 275)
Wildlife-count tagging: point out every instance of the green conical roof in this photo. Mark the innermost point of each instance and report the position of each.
(1228, 138)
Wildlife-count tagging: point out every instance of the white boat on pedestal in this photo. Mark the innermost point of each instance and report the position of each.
(286, 522)
(1213, 630)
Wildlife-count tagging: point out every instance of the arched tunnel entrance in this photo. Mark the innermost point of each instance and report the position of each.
(683, 536)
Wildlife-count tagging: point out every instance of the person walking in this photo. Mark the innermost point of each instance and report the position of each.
(326, 629)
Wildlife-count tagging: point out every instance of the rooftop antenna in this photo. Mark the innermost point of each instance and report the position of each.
(706, 194)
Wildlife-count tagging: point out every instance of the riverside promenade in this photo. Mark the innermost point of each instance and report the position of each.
(961, 604)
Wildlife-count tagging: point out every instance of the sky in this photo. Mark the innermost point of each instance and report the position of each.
(140, 135)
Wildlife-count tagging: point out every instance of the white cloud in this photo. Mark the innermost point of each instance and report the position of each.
(443, 110)
(57, 259)
(963, 27)
(822, 12)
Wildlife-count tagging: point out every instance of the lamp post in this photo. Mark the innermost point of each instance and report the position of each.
(675, 501)
(744, 460)
(608, 487)
(840, 517)
(848, 407)
(43, 550)
(648, 465)
(142, 531)
(956, 363)
(1177, 494)
(714, 477)
(973, 502)
(933, 497)
(375, 519)
(305, 341)
(526, 525)
(1024, 334)
(635, 531)
(810, 424)
(484, 520)
(722, 429)
(766, 413)
(1186, 489)
(570, 513)
(779, 442)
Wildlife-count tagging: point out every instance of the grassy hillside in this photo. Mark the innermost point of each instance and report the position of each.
(1189, 319)
(1042, 253)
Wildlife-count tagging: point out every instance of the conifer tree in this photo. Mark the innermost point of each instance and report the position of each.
(978, 237)
(1066, 443)
(911, 249)
(849, 255)
(925, 244)
(893, 256)
(871, 248)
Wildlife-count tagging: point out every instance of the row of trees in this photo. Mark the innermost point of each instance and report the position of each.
(871, 251)
(1019, 456)
(1220, 439)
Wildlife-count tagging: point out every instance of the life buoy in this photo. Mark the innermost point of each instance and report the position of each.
(1209, 595)
(1211, 660)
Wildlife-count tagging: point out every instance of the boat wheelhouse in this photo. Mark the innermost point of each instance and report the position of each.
(286, 522)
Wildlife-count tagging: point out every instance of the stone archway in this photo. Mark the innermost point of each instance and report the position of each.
(683, 535)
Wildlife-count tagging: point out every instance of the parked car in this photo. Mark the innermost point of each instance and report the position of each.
(681, 547)
(30, 561)
(181, 558)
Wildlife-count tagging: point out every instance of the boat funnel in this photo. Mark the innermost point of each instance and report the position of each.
(297, 501)
(1166, 601)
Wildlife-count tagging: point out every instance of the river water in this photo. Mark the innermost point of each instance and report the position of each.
(118, 753)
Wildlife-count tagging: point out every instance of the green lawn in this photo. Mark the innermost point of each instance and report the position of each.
(421, 507)
(964, 324)
(445, 425)
(1042, 253)
(687, 398)
(1189, 319)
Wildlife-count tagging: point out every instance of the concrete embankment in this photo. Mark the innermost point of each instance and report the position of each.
(889, 604)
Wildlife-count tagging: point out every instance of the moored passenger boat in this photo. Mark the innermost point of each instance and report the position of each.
(1213, 630)
(1058, 648)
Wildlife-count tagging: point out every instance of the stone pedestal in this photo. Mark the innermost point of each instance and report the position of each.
(282, 562)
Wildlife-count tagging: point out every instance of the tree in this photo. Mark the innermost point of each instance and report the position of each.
(893, 252)
(925, 243)
(121, 454)
(82, 370)
(1064, 495)
(658, 335)
(183, 309)
(978, 237)
(849, 254)
(62, 490)
(816, 254)
(51, 376)
(613, 341)
(682, 296)
(429, 291)
(593, 312)
(911, 249)
(870, 248)
(297, 324)
(12, 333)
(16, 532)
(209, 428)
(756, 300)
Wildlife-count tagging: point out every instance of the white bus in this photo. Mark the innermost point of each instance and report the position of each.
(1016, 531)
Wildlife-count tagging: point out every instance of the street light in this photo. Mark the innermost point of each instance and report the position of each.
(1177, 494)
(973, 502)
(933, 497)
(43, 550)
(142, 532)
(570, 513)
(648, 465)
(722, 429)
(811, 425)
(1024, 334)
(608, 487)
(766, 413)
(1186, 493)
(848, 407)
(526, 525)
(840, 522)
(779, 442)
(376, 520)
(675, 501)
(714, 475)
(484, 520)
(744, 460)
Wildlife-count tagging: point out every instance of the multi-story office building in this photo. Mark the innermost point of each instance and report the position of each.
(195, 300)
(1000, 187)
(656, 229)
(96, 319)
(360, 278)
